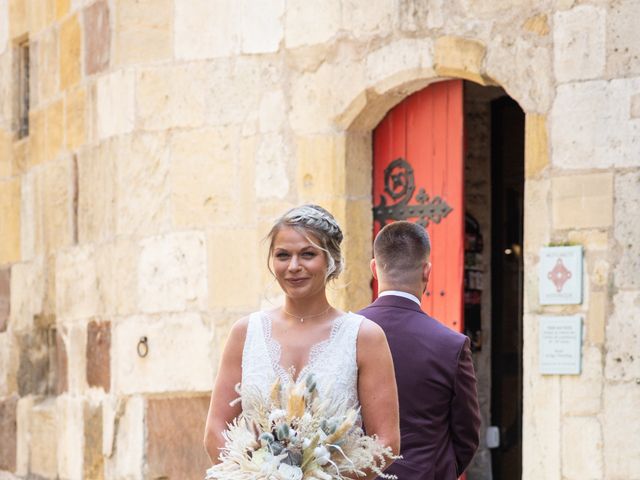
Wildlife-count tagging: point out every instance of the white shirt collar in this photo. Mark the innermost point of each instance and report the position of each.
(398, 293)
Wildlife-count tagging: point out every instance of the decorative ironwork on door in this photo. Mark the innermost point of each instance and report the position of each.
(399, 186)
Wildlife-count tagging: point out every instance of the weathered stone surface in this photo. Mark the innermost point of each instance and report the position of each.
(320, 167)
(6, 152)
(175, 343)
(414, 16)
(582, 449)
(272, 115)
(61, 366)
(142, 185)
(93, 461)
(627, 232)
(623, 51)
(204, 29)
(579, 43)
(43, 447)
(582, 201)
(37, 362)
(172, 273)
(18, 20)
(97, 37)
(9, 220)
(582, 394)
(130, 440)
(271, 167)
(9, 358)
(4, 26)
(27, 294)
(142, 31)
(70, 431)
(326, 23)
(76, 283)
(536, 231)
(635, 106)
(393, 58)
(231, 255)
(597, 317)
(536, 155)
(117, 270)
(202, 171)
(54, 138)
(115, 104)
(75, 119)
(460, 57)
(5, 297)
(621, 427)
(592, 240)
(172, 96)
(70, 48)
(45, 82)
(54, 202)
(591, 125)
(62, 8)
(74, 336)
(623, 335)
(23, 420)
(37, 137)
(178, 422)
(362, 19)
(261, 26)
(40, 13)
(8, 433)
(98, 354)
(538, 24)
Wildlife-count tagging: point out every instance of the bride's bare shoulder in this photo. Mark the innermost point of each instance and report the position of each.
(238, 331)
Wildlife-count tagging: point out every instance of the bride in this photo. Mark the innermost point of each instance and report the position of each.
(346, 353)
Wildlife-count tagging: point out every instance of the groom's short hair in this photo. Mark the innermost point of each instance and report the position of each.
(401, 247)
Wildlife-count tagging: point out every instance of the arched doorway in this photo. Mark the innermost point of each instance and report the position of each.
(451, 157)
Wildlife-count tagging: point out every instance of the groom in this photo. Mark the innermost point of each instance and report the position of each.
(439, 415)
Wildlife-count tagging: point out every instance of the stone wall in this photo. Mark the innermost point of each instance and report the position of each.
(165, 135)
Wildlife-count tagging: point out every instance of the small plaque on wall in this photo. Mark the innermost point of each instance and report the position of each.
(560, 275)
(560, 345)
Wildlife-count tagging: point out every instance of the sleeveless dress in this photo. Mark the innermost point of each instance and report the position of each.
(332, 362)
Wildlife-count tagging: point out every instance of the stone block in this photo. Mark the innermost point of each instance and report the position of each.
(178, 422)
(9, 360)
(98, 354)
(537, 24)
(93, 461)
(97, 192)
(415, 16)
(579, 43)
(130, 439)
(142, 185)
(37, 137)
(76, 283)
(320, 168)
(582, 201)
(398, 56)
(536, 145)
(5, 298)
(62, 8)
(6, 153)
(203, 186)
(536, 227)
(623, 51)
(298, 16)
(97, 37)
(582, 394)
(27, 294)
(204, 29)
(53, 201)
(117, 270)
(54, 137)
(70, 49)
(597, 318)
(172, 273)
(9, 433)
(4, 26)
(621, 426)
(175, 344)
(365, 19)
(70, 433)
(40, 13)
(9, 220)
(45, 82)
(261, 26)
(460, 57)
(23, 421)
(626, 231)
(271, 180)
(635, 106)
(75, 119)
(61, 359)
(591, 240)
(169, 97)
(582, 449)
(115, 104)
(142, 31)
(591, 125)
(43, 447)
(18, 19)
(272, 114)
(623, 334)
(232, 257)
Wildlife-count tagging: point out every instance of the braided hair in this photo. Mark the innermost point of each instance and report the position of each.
(315, 220)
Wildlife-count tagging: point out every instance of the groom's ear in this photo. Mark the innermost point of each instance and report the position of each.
(372, 266)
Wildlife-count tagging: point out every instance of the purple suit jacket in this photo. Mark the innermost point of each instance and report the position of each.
(439, 413)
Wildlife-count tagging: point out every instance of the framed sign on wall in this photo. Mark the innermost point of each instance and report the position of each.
(560, 275)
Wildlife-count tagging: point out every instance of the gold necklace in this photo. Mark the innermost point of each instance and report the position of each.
(308, 316)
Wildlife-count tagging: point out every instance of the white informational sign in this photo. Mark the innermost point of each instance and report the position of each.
(560, 275)
(560, 345)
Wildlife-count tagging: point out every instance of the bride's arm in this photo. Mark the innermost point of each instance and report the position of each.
(229, 375)
(377, 389)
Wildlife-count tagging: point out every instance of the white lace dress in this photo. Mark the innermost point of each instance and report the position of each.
(332, 362)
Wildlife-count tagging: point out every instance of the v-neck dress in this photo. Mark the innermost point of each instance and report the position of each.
(332, 362)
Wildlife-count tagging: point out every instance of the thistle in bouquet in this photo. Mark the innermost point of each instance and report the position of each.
(294, 435)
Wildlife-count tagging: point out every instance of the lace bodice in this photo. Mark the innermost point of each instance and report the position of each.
(332, 362)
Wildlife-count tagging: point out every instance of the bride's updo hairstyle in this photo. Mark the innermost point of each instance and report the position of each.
(314, 220)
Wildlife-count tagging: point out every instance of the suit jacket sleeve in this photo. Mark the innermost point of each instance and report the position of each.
(465, 412)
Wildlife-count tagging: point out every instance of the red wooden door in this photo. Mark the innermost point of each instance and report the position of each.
(420, 143)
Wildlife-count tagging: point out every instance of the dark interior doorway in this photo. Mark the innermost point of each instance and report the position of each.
(494, 197)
